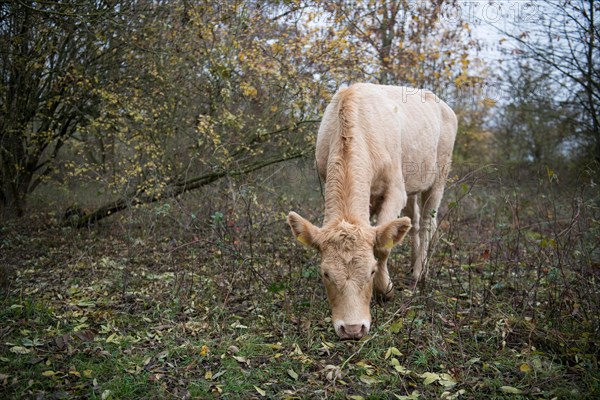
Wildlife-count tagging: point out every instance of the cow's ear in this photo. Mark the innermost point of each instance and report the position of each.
(305, 232)
(392, 233)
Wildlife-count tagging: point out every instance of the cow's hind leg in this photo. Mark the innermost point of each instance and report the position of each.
(431, 200)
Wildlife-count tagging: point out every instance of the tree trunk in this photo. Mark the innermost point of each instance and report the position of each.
(14, 176)
(13, 196)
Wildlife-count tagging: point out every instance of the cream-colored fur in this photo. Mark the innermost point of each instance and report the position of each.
(380, 149)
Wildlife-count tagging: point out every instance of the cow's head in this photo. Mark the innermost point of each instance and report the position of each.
(348, 265)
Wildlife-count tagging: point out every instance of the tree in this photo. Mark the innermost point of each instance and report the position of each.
(422, 44)
(227, 89)
(167, 96)
(533, 126)
(53, 55)
(565, 42)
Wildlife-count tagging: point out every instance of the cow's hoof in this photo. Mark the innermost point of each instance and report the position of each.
(410, 283)
(384, 296)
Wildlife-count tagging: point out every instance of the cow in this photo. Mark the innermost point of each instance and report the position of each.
(381, 150)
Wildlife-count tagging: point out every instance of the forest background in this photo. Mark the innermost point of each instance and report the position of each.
(150, 151)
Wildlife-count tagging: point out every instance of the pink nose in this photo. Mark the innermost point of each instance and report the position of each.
(352, 331)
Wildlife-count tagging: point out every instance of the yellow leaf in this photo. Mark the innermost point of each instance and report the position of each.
(369, 380)
(260, 391)
(19, 350)
(87, 373)
(525, 368)
(113, 338)
(395, 328)
(429, 378)
(48, 373)
(401, 369)
(203, 350)
(208, 375)
(447, 380)
(297, 351)
(510, 389)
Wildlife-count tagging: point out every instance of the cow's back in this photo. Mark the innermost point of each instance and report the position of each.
(409, 133)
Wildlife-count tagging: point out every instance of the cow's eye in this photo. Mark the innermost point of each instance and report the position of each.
(326, 275)
(373, 273)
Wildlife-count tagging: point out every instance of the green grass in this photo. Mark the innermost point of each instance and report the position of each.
(229, 307)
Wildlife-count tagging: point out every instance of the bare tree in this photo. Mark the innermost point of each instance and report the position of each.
(534, 125)
(52, 56)
(566, 43)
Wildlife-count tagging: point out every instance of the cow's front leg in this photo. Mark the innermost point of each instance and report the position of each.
(384, 289)
(393, 203)
(412, 210)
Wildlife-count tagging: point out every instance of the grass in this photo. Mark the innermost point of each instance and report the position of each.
(216, 301)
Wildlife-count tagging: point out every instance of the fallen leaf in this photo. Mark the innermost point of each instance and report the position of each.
(511, 390)
(429, 378)
(113, 338)
(333, 372)
(369, 380)
(86, 336)
(237, 325)
(328, 345)
(218, 374)
(474, 361)
(260, 391)
(20, 350)
(525, 368)
(62, 341)
(447, 381)
(397, 326)
(413, 396)
(392, 351)
(31, 343)
(401, 369)
(293, 374)
(233, 349)
(297, 351)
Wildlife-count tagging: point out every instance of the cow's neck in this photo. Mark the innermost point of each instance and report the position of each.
(348, 186)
